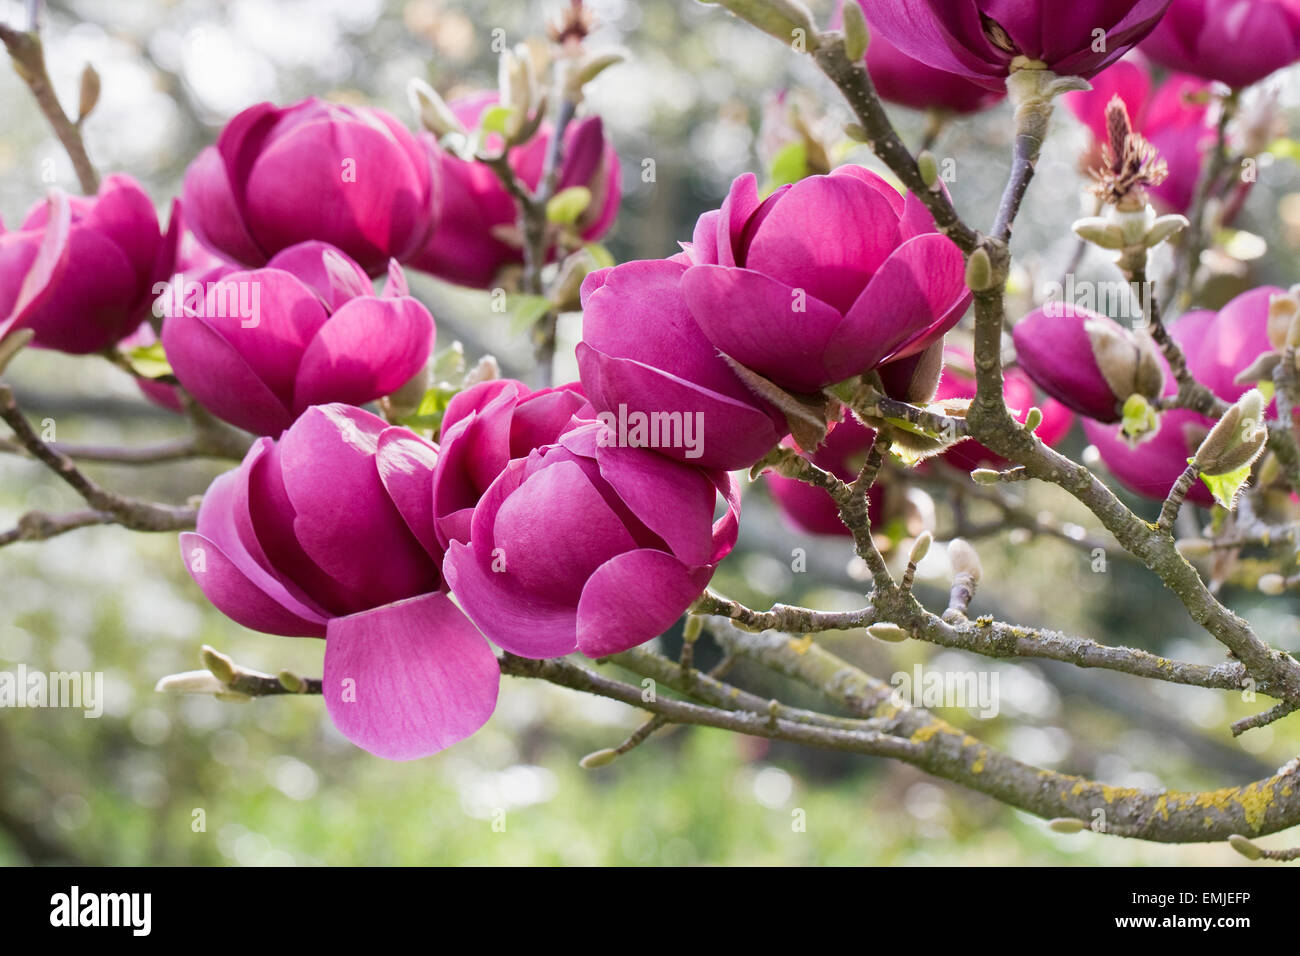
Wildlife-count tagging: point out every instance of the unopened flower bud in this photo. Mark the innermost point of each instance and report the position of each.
(856, 34)
(598, 758)
(221, 666)
(1243, 846)
(1033, 419)
(986, 476)
(928, 166)
(1283, 318)
(90, 87)
(889, 633)
(964, 560)
(434, 113)
(1272, 585)
(190, 682)
(787, 20)
(1238, 438)
(1086, 361)
(920, 547)
(1067, 825)
(979, 271)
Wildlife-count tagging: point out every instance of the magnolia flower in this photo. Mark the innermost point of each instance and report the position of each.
(1088, 362)
(327, 532)
(1219, 347)
(1237, 42)
(988, 39)
(80, 271)
(476, 233)
(256, 348)
(347, 175)
(824, 280)
(588, 545)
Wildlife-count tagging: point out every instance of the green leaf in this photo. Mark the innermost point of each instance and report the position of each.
(1285, 148)
(149, 361)
(428, 416)
(601, 256)
(448, 364)
(495, 119)
(788, 166)
(1226, 488)
(567, 205)
(525, 311)
(1140, 422)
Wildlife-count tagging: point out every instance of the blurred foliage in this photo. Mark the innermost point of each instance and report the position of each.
(277, 785)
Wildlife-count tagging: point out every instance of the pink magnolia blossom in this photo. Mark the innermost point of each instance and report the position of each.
(588, 545)
(351, 176)
(909, 82)
(328, 532)
(1237, 42)
(483, 429)
(476, 212)
(1087, 361)
(308, 330)
(980, 39)
(80, 271)
(1172, 117)
(643, 352)
(825, 279)
(1219, 346)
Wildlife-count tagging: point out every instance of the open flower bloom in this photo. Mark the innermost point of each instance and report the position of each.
(80, 271)
(1219, 346)
(328, 533)
(643, 354)
(982, 39)
(586, 545)
(483, 428)
(843, 453)
(1087, 361)
(1018, 393)
(1173, 118)
(825, 279)
(477, 216)
(1237, 42)
(256, 348)
(347, 175)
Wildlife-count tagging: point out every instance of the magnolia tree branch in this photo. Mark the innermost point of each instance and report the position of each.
(28, 56)
(107, 507)
(1164, 816)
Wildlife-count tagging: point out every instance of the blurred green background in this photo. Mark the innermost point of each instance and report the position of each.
(277, 785)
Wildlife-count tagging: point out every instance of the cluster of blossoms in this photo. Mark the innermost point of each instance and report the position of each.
(530, 519)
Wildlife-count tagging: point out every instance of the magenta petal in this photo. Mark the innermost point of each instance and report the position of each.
(520, 623)
(828, 235)
(50, 259)
(344, 520)
(633, 598)
(735, 434)
(367, 349)
(236, 596)
(213, 211)
(763, 323)
(740, 204)
(333, 276)
(921, 283)
(219, 379)
(406, 464)
(673, 500)
(407, 680)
